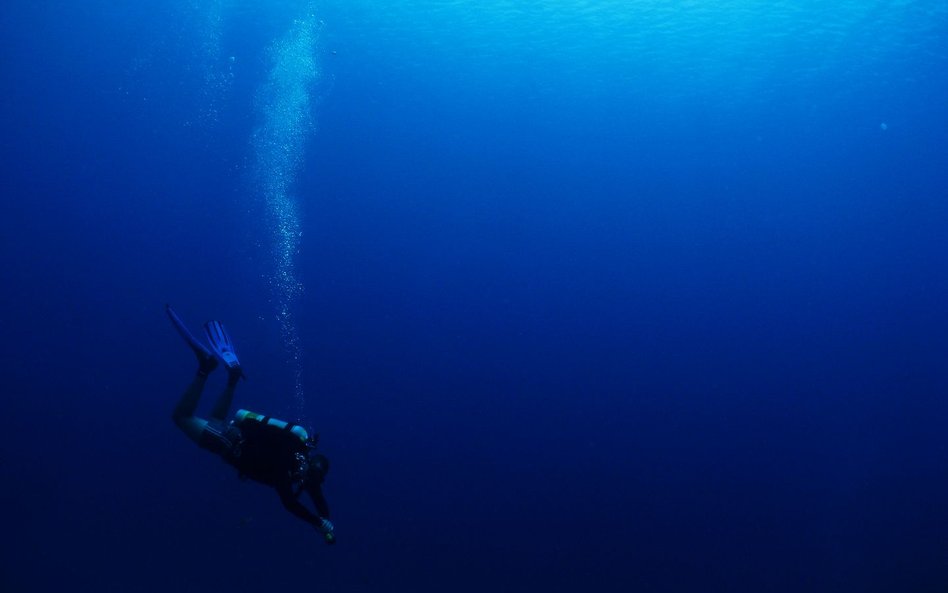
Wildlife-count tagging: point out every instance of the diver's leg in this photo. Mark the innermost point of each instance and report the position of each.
(183, 414)
(212, 435)
(222, 405)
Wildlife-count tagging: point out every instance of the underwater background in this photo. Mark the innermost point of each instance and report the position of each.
(580, 295)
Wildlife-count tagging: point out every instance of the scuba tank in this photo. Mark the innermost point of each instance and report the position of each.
(245, 417)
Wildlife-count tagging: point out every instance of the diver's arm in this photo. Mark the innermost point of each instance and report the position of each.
(292, 504)
(319, 501)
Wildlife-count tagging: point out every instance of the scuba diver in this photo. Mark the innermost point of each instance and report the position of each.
(264, 449)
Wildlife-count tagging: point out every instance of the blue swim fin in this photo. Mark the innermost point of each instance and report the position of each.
(205, 358)
(221, 344)
(185, 333)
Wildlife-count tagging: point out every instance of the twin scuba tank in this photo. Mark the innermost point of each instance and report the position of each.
(245, 417)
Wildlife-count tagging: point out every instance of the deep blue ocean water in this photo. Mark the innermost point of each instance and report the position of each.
(581, 296)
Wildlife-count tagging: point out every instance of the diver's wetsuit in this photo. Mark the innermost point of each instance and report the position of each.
(260, 452)
(271, 456)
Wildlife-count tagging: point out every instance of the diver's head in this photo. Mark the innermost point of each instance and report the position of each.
(318, 467)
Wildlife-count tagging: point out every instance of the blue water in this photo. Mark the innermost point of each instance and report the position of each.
(581, 296)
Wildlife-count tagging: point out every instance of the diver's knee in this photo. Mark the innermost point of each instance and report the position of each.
(179, 418)
(190, 425)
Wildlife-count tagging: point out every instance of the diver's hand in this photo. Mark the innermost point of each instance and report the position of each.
(328, 528)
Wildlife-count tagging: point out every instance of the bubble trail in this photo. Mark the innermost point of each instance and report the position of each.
(279, 141)
(215, 70)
